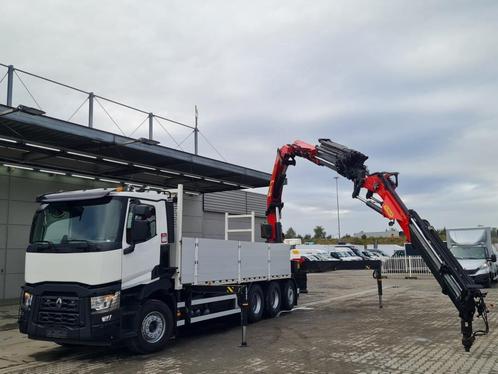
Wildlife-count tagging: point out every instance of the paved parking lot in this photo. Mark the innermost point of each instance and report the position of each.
(337, 328)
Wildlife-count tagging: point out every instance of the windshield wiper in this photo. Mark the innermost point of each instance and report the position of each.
(42, 244)
(84, 244)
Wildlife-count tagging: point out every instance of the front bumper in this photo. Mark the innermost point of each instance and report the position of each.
(71, 322)
(482, 279)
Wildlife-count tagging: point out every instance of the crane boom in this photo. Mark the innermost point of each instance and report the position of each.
(381, 196)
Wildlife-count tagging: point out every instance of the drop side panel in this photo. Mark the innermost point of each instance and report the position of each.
(214, 261)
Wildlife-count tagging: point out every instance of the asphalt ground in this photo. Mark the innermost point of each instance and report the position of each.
(337, 328)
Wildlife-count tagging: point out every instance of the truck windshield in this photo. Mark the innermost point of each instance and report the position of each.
(468, 253)
(78, 226)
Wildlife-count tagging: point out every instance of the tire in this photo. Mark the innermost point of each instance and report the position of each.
(273, 300)
(256, 303)
(487, 284)
(154, 328)
(289, 295)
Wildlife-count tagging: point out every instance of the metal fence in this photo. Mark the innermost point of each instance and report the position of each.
(87, 108)
(406, 266)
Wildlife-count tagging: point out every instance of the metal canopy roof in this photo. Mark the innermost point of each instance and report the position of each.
(49, 144)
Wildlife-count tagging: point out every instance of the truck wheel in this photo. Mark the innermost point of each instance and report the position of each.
(289, 295)
(273, 300)
(154, 329)
(487, 283)
(256, 303)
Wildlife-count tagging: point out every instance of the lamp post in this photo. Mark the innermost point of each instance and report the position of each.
(337, 200)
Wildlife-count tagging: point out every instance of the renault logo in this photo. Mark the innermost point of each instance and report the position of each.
(58, 303)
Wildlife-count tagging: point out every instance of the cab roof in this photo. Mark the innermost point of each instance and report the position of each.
(97, 193)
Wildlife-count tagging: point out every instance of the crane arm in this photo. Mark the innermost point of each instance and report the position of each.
(347, 162)
(382, 197)
(285, 157)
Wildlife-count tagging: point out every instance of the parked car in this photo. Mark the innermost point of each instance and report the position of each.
(369, 255)
(344, 253)
(377, 256)
(379, 252)
(308, 253)
(399, 253)
(307, 257)
(358, 252)
(325, 257)
(364, 253)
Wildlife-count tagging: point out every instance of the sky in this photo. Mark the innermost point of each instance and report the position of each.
(412, 84)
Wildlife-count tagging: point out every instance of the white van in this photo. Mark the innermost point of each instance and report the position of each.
(473, 249)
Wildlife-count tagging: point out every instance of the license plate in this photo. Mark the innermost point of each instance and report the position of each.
(56, 333)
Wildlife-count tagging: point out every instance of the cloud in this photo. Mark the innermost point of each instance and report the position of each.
(411, 84)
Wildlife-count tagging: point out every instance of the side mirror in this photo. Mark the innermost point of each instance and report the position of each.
(493, 258)
(144, 211)
(139, 231)
(266, 231)
(138, 234)
(140, 227)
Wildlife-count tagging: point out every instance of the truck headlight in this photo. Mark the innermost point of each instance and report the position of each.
(105, 303)
(484, 266)
(27, 299)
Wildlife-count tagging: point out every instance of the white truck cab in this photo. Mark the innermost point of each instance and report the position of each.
(109, 265)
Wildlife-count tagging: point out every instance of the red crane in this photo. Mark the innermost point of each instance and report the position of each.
(381, 196)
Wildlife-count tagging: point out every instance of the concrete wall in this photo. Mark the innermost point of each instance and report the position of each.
(18, 192)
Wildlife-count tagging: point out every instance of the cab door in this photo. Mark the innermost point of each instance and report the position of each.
(140, 259)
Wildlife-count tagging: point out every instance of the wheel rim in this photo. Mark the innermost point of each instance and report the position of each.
(290, 295)
(276, 299)
(256, 303)
(153, 327)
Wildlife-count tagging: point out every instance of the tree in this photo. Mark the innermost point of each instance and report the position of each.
(290, 233)
(442, 233)
(319, 232)
(307, 238)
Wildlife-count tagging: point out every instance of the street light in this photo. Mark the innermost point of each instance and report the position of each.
(337, 199)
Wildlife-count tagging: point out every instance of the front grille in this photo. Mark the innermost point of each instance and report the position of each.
(59, 310)
(59, 303)
(66, 319)
(471, 272)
